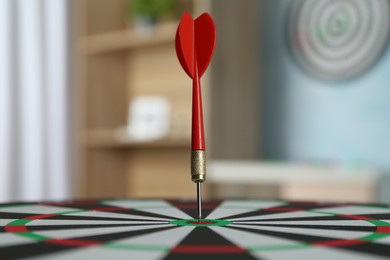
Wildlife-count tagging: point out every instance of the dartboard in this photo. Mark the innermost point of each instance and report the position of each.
(338, 39)
(167, 229)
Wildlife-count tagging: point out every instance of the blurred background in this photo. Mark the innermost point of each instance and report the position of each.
(94, 103)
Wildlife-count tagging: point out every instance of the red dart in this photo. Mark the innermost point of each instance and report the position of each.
(195, 43)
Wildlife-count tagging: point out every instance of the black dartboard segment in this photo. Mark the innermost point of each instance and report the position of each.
(167, 229)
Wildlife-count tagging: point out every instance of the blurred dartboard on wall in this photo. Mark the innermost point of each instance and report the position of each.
(338, 39)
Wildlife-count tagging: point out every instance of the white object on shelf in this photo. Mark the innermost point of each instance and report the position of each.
(149, 118)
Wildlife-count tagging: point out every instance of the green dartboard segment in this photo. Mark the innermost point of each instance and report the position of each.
(203, 223)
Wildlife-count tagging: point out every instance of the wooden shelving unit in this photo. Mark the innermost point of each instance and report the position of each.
(116, 138)
(125, 40)
(120, 63)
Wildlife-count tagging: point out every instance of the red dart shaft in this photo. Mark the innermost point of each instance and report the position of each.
(198, 139)
(198, 153)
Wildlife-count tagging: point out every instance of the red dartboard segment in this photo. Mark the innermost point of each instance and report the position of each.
(210, 249)
(70, 202)
(110, 209)
(72, 242)
(41, 216)
(201, 222)
(16, 229)
(340, 242)
(356, 217)
(383, 229)
(284, 209)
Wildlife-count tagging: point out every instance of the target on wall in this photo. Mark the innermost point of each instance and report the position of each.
(338, 39)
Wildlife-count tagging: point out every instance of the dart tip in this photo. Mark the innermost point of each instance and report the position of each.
(199, 199)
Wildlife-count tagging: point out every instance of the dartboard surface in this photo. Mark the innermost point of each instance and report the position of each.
(166, 229)
(338, 39)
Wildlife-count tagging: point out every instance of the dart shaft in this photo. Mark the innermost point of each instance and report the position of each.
(197, 132)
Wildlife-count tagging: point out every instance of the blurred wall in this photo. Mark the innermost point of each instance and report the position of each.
(235, 75)
(308, 118)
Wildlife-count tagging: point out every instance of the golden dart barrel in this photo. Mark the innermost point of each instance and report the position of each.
(198, 166)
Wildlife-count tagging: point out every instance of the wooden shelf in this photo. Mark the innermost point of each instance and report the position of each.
(129, 39)
(112, 138)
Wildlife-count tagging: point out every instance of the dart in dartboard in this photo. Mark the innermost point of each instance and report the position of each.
(195, 43)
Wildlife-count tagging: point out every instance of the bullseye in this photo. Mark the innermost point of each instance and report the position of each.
(202, 223)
